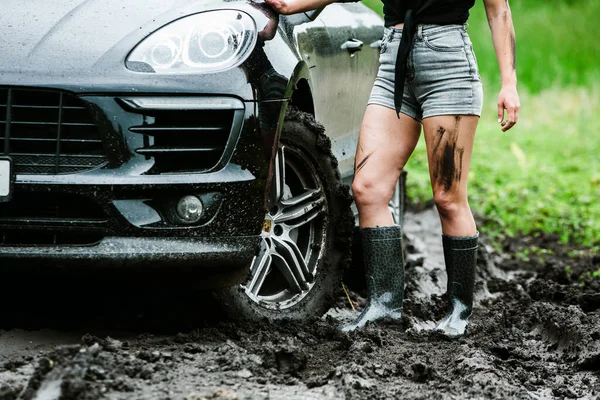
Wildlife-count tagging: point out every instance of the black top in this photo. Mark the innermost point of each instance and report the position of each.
(439, 12)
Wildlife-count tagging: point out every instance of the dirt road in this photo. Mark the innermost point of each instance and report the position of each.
(535, 334)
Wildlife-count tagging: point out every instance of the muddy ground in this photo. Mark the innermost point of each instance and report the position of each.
(535, 334)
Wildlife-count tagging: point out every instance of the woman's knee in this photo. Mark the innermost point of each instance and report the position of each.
(449, 204)
(368, 192)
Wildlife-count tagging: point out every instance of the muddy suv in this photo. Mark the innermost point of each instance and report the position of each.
(146, 134)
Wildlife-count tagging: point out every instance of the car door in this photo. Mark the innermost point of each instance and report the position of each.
(333, 70)
(367, 30)
(341, 48)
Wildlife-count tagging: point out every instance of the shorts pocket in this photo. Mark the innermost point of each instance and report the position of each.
(387, 36)
(471, 57)
(473, 62)
(445, 41)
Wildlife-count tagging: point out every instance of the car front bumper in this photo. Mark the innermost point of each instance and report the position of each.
(123, 212)
(218, 253)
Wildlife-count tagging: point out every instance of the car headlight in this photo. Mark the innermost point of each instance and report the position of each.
(208, 42)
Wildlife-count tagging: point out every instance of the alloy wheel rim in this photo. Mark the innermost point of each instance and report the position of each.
(293, 235)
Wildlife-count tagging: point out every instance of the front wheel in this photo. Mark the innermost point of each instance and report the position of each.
(306, 233)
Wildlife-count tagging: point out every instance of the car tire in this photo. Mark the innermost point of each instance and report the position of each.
(298, 272)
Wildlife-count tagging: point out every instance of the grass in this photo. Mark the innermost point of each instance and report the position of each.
(544, 174)
(555, 43)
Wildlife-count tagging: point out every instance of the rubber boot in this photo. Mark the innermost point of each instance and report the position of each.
(384, 270)
(460, 254)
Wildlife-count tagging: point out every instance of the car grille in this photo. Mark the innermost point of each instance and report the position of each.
(48, 132)
(50, 219)
(185, 140)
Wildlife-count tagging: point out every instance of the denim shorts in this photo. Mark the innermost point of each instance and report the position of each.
(442, 77)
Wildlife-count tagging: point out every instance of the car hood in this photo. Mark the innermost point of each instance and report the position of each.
(68, 35)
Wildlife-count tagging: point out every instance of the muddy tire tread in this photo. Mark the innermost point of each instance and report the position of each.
(237, 305)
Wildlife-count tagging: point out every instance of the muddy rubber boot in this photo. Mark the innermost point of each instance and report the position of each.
(384, 272)
(460, 255)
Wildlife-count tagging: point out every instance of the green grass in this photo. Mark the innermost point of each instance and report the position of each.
(556, 43)
(544, 174)
(375, 5)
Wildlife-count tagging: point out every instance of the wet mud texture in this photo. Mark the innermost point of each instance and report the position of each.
(535, 334)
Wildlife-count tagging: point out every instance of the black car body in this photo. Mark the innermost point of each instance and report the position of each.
(112, 152)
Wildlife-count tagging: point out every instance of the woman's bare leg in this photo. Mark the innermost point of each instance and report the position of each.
(449, 147)
(384, 146)
(449, 140)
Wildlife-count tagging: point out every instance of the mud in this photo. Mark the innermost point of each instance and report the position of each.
(447, 157)
(535, 334)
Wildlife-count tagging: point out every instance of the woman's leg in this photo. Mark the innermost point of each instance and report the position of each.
(449, 146)
(449, 140)
(384, 146)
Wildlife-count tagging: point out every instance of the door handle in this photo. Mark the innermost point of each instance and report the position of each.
(352, 45)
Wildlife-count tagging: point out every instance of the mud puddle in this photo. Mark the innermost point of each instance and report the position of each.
(535, 334)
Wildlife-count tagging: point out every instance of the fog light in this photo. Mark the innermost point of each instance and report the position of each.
(189, 209)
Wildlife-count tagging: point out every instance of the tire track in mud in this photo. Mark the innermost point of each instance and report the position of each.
(535, 334)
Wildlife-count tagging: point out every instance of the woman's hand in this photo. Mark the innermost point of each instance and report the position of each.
(295, 6)
(282, 6)
(508, 100)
